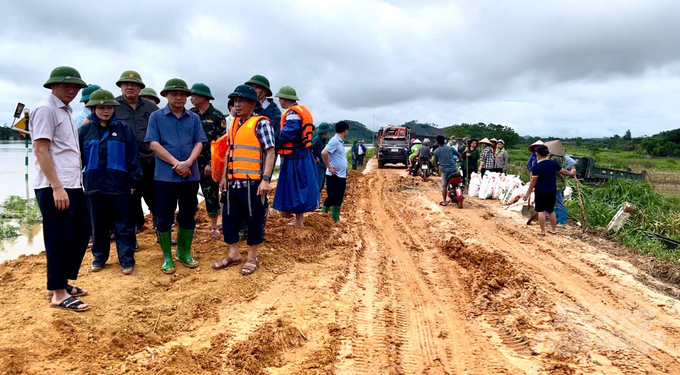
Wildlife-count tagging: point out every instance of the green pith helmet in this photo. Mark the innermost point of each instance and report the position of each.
(65, 74)
(150, 93)
(175, 84)
(246, 92)
(101, 97)
(261, 81)
(324, 128)
(130, 76)
(202, 89)
(287, 92)
(85, 94)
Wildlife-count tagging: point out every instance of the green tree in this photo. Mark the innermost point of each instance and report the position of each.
(627, 136)
(578, 141)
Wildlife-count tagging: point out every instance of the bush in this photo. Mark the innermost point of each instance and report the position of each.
(654, 212)
(25, 211)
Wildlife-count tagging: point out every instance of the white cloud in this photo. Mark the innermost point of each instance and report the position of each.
(577, 68)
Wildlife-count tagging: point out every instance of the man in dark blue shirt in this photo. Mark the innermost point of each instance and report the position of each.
(544, 181)
(176, 136)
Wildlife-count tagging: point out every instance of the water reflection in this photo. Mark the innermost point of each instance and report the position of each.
(30, 242)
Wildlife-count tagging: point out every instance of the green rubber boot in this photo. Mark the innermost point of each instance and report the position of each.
(183, 254)
(168, 266)
(335, 213)
(324, 209)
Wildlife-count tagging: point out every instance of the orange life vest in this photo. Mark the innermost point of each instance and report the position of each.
(245, 160)
(307, 130)
(218, 151)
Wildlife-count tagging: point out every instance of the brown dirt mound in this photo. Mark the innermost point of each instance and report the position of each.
(264, 347)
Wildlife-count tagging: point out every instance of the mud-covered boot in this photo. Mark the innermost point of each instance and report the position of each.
(168, 266)
(324, 209)
(335, 213)
(183, 254)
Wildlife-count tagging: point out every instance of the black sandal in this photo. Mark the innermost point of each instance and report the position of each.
(75, 291)
(72, 304)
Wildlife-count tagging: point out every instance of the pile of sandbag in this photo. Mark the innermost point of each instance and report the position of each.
(506, 188)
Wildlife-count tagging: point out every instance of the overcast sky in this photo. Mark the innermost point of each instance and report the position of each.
(563, 68)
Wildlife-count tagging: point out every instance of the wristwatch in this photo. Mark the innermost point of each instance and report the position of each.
(267, 178)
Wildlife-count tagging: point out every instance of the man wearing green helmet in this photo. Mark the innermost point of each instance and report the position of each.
(176, 137)
(266, 105)
(296, 191)
(59, 189)
(149, 94)
(135, 112)
(214, 126)
(111, 172)
(84, 98)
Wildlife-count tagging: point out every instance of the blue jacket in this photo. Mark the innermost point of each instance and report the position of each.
(292, 132)
(531, 162)
(274, 114)
(110, 161)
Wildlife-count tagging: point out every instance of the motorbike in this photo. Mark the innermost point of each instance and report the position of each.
(422, 169)
(455, 189)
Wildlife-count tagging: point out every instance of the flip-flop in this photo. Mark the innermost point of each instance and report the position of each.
(551, 232)
(444, 204)
(250, 266)
(221, 265)
(71, 304)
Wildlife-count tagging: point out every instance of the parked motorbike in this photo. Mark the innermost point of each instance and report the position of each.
(422, 168)
(455, 189)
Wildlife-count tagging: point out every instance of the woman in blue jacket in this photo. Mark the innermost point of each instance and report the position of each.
(111, 171)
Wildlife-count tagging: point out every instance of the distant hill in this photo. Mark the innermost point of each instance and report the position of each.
(420, 129)
(357, 131)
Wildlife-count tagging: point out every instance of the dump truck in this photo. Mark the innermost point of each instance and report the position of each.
(589, 172)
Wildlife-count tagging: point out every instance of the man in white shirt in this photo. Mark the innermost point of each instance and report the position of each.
(59, 189)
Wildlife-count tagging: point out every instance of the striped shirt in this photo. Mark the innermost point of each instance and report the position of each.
(265, 134)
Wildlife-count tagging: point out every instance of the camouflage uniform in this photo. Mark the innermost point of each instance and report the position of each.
(214, 126)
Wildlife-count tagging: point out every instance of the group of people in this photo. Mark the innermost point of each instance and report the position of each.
(94, 168)
(492, 157)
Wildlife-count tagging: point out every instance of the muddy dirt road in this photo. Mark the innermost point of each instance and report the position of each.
(401, 286)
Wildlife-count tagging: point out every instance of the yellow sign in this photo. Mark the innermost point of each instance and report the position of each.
(21, 124)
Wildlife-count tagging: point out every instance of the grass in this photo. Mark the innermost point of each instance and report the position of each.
(370, 152)
(16, 210)
(654, 212)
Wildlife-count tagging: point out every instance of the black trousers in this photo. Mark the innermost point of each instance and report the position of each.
(335, 187)
(211, 193)
(66, 234)
(145, 189)
(168, 194)
(112, 211)
(243, 206)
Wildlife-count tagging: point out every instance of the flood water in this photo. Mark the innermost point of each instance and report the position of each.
(13, 182)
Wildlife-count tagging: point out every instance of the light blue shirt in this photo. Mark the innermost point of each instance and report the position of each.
(570, 161)
(80, 116)
(178, 136)
(337, 156)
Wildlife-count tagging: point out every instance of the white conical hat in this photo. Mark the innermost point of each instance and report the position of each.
(485, 140)
(535, 144)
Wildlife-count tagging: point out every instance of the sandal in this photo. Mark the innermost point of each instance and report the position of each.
(444, 204)
(215, 232)
(71, 303)
(74, 291)
(250, 266)
(225, 263)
